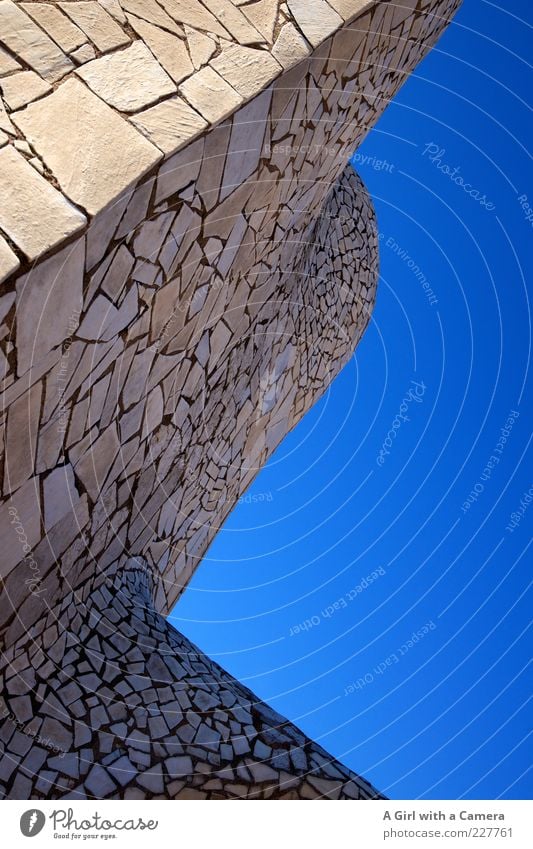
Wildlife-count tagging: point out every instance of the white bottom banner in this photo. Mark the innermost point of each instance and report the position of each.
(309, 824)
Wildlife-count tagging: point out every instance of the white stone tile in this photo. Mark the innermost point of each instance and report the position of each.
(95, 22)
(316, 19)
(129, 79)
(25, 39)
(60, 28)
(170, 124)
(94, 153)
(248, 70)
(9, 262)
(212, 96)
(32, 213)
(20, 89)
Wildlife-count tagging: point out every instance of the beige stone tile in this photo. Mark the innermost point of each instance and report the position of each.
(95, 22)
(8, 260)
(20, 525)
(290, 46)
(32, 213)
(234, 21)
(93, 152)
(6, 123)
(315, 18)
(192, 12)
(171, 52)
(129, 79)
(263, 15)
(26, 40)
(170, 124)
(210, 94)
(60, 28)
(20, 89)
(7, 63)
(151, 12)
(49, 299)
(115, 9)
(249, 71)
(348, 9)
(201, 46)
(83, 54)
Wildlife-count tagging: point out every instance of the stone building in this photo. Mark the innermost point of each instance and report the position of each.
(186, 262)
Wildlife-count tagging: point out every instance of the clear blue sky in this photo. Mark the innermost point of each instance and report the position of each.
(447, 716)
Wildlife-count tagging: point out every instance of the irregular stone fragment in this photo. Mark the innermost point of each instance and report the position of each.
(20, 89)
(247, 70)
(100, 27)
(210, 94)
(59, 495)
(348, 9)
(60, 28)
(9, 262)
(83, 54)
(32, 213)
(21, 439)
(93, 466)
(152, 13)
(315, 18)
(170, 52)
(49, 301)
(290, 46)
(192, 12)
(93, 152)
(7, 63)
(5, 121)
(234, 21)
(114, 8)
(129, 79)
(201, 47)
(263, 16)
(170, 124)
(25, 39)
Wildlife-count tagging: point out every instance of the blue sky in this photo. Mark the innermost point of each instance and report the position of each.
(430, 539)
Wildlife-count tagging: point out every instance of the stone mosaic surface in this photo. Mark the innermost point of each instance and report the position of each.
(186, 264)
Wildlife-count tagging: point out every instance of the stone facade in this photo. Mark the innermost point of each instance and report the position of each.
(187, 262)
